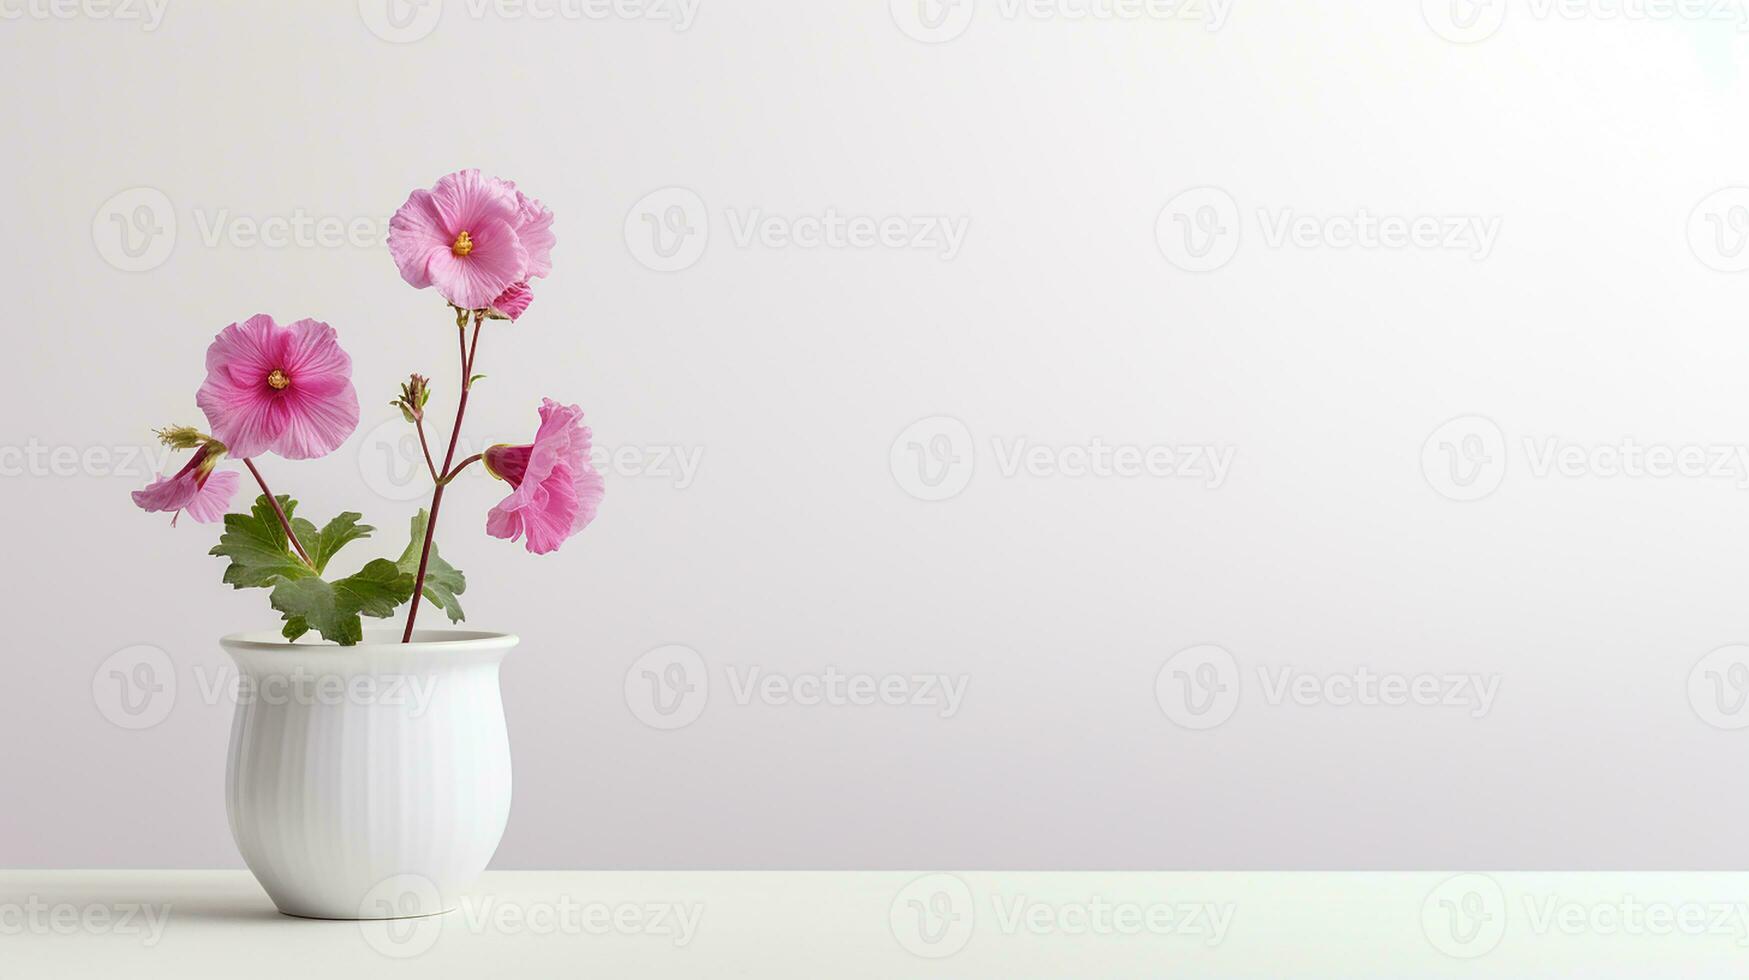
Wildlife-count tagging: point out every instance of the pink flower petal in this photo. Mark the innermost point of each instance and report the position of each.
(535, 228)
(466, 198)
(513, 302)
(416, 233)
(250, 349)
(315, 424)
(240, 417)
(474, 280)
(168, 493)
(214, 497)
(313, 353)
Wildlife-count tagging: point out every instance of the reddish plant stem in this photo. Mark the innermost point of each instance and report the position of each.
(468, 351)
(419, 423)
(464, 464)
(279, 512)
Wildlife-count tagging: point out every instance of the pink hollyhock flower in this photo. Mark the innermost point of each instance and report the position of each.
(196, 488)
(512, 302)
(278, 389)
(555, 490)
(471, 236)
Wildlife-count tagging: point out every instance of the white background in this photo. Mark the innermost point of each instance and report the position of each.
(1605, 311)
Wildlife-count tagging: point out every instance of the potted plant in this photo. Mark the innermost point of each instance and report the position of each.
(357, 756)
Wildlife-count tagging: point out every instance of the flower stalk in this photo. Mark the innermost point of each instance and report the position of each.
(468, 350)
(279, 512)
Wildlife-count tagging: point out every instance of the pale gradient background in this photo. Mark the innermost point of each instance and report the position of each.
(795, 547)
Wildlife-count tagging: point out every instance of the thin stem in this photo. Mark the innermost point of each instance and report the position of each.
(279, 512)
(461, 407)
(464, 464)
(419, 423)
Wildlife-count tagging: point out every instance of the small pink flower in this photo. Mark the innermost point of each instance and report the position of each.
(279, 389)
(196, 488)
(555, 490)
(512, 302)
(472, 237)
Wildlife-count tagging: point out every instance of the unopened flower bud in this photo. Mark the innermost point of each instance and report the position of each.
(415, 393)
(182, 436)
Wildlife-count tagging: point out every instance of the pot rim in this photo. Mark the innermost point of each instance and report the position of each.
(377, 640)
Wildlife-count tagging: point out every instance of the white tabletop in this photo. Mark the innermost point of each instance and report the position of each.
(195, 924)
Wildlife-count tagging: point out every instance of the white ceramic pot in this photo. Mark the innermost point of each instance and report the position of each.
(371, 781)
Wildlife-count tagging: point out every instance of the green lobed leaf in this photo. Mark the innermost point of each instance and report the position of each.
(443, 581)
(333, 608)
(337, 534)
(257, 548)
(262, 557)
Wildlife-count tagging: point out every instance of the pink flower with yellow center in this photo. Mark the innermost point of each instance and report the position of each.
(279, 389)
(196, 488)
(555, 490)
(472, 237)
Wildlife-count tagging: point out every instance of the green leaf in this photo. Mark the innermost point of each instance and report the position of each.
(339, 532)
(443, 582)
(257, 548)
(477, 377)
(333, 608)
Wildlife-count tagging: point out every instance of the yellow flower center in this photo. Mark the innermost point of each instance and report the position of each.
(278, 381)
(464, 243)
